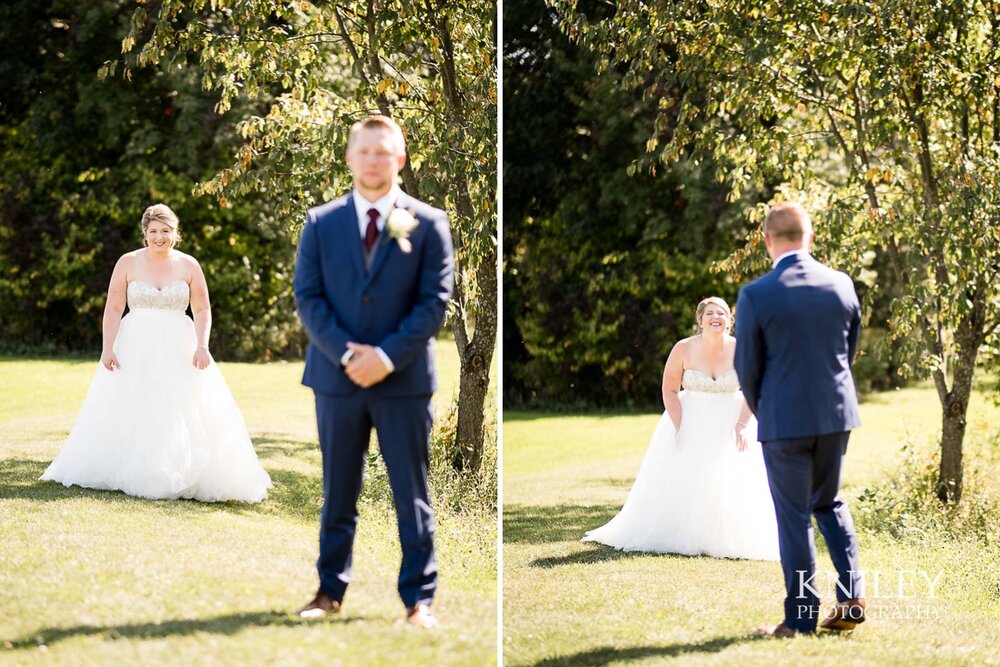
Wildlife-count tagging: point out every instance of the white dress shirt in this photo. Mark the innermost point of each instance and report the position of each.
(383, 206)
(361, 207)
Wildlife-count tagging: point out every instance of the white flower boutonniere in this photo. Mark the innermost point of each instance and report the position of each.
(399, 225)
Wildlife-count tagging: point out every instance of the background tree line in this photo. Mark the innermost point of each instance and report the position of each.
(82, 158)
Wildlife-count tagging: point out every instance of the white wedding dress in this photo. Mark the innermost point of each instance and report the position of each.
(696, 494)
(158, 427)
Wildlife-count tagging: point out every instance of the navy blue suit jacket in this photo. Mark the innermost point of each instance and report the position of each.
(398, 304)
(797, 331)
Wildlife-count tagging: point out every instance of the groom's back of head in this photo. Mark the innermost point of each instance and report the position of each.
(788, 221)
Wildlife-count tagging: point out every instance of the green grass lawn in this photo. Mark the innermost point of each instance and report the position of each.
(567, 603)
(99, 578)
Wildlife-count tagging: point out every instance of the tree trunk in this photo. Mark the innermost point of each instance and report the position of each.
(955, 406)
(475, 355)
(949, 488)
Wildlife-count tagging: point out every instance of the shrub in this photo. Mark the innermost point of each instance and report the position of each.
(451, 491)
(906, 506)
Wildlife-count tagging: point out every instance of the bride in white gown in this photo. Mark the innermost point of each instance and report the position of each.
(159, 420)
(702, 488)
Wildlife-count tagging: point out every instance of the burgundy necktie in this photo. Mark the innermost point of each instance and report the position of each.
(371, 232)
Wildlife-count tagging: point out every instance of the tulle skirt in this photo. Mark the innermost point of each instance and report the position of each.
(158, 427)
(695, 493)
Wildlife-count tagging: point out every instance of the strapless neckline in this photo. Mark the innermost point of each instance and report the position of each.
(698, 380)
(174, 296)
(707, 375)
(158, 289)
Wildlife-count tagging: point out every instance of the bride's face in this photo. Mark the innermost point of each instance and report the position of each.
(160, 237)
(715, 319)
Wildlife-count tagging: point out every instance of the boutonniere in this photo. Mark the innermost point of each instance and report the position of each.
(399, 225)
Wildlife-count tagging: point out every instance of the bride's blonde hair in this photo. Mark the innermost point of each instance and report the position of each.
(718, 301)
(160, 213)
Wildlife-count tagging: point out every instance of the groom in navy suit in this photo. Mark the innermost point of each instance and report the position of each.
(372, 282)
(796, 334)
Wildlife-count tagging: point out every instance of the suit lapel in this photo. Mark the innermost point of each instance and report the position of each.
(349, 225)
(382, 248)
(386, 245)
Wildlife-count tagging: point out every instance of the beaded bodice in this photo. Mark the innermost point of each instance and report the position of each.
(695, 380)
(173, 296)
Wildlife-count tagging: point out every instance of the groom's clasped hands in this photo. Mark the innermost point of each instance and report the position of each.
(365, 367)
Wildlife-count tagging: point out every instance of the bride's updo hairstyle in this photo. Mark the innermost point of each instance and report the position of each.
(718, 301)
(160, 213)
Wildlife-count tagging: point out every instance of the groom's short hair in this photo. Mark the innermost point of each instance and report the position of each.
(378, 121)
(788, 220)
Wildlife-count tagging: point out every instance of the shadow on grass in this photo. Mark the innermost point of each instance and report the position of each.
(533, 415)
(600, 553)
(623, 483)
(221, 625)
(545, 524)
(541, 524)
(295, 495)
(269, 445)
(19, 480)
(608, 654)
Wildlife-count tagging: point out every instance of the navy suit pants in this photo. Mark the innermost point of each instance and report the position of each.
(403, 427)
(804, 476)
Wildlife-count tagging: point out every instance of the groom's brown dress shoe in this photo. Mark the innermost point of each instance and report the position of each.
(845, 615)
(779, 631)
(420, 615)
(321, 605)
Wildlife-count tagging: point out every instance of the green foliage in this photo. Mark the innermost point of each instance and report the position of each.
(319, 68)
(874, 368)
(471, 494)
(82, 158)
(604, 265)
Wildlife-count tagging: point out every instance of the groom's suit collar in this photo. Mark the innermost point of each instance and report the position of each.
(349, 224)
(784, 257)
(383, 205)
